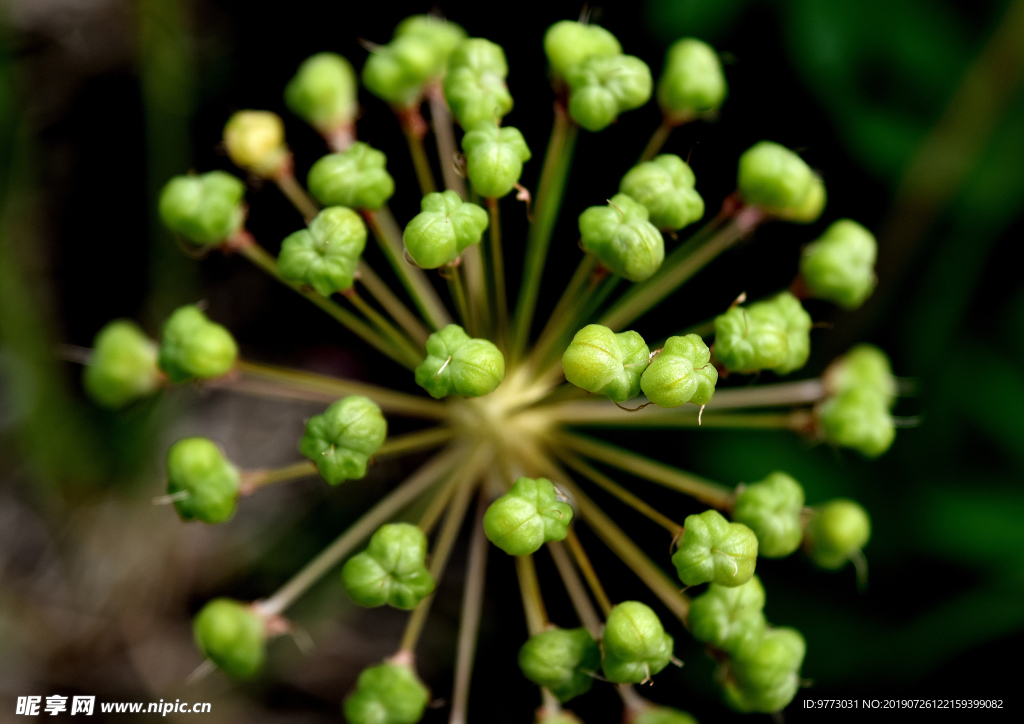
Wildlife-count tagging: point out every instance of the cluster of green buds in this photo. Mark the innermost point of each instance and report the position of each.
(862, 391)
(774, 334)
(399, 72)
(474, 85)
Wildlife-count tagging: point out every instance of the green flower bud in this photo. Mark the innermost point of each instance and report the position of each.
(527, 517)
(231, 635)
(766, 678)
(568, 43)
(204, 209)
(798, 331)
(810, 209)
(397, 72)
(443, 35)
(749, 339)
(664, 715)
(387, 694)
(713, 549)
(774, 178)
(391, 570)
(606, 363)
(636, 646)
(356, 178)
(621, 237)
(457, 363)
(692, 82)
(771, 508)
(474, 85)
(326, 254)
(323, 92)
(864, 367)
(664, 186)
(837, 531)
(858, 418)
(603, 86)
(563, 660)
(255, 141)
(494, 158)
(840, 265)
(342, 439)
(729, 618)
(445, 226)
(192, 346)
(681, 373)
(122, 368)
(197, 467)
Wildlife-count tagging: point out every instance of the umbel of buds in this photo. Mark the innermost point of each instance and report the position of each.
(840, 265)
(232, 635)
(494, 158)
(391, 570)
(474, 85)
(203, 483)
(459, 364)
(620, 235)
(563, 660)
(122, 368)
(681, 373)
(205, 209)
(326, 254)
(636, 646)
(323, 92)
(714, 550)
(730, 618)
(356, 178)
(388, 693)
(606, 363)
(445, 226)
(771, 508)
(527, 516)
(342, 439)
(193, 347)
(664, 185)
(692, 83)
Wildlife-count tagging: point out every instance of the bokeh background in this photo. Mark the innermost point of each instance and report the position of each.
(913, 111)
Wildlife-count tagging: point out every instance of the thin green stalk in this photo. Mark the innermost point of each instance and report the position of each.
(498, 274)
(583, 561)
(259, 256)
(533, 602)
(381, 323)
(322, 387)
(596, 414)
(438, 505)
(581, 603)
(476, 291)
(393, 502)
(551, 189)
(294, 192)
(444, 134)
(413, 442)
(706, 491)
(658, 138)
(414, 127)
(392, 304)
(389, 237)
(458, 292)
(559, 319)
(254, 479)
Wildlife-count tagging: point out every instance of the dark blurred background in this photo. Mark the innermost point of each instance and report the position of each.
(912, 110)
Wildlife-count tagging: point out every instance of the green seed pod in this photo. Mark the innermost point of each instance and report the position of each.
(197, 467)
(494, 158)
(391, 570)
(387, 694)
(443, 35)
(397, 72)
(563, 660)
(774, 178)
(771, 508)
(255, 142)
(766, 678)
(864, 367)
(474, 85)
(621, 237)
(810, 209)
(858, 418)
(356, 178)
(326, 254)
(459, 364)
(568, 43)
(840, 265)
(323, 92)
(664, 715)
(204, 209)
(606, 363)
(342, 439)
(664, 186)
(692, 82)
(122, 368)
(729, 618)
(681, 373)
(231, 635)
(445, 226)
(192, 346)
(798, 331)
(527, 517)
(837, 531)
(636, 646)
(713, 549)
(749, 339)
(603, 86)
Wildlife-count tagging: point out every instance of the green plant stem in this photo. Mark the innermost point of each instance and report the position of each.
(574, 587)
(389, 237)
(321, 387)
(469, 623)
(444, 134)
(583, 561)
(393, 502)
(259, 256)
(382, 324)
(413, 442)
(550, 191)
(580, 413)
(294, 192)
(254, 479)
(414, 137)
(533, 602)
(476, 291)
(658, 138)
(392, 304)
(559, 320)
(498, 275)
(458, 292)
(438, 505)
(713, 494)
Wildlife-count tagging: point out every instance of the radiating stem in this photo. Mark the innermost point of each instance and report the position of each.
(458, 292)
(254, 479)
(469, 625)
(392, 304)
(414, 128)
(413, 442)
(444, 134)
(582, 413)
(322, 387)
(438, 505)
(583, 561)
(381, 323)
(293, 190)
(713, 494)
(574, 587)
(550, 191)
(498, 274)
(389, 237)
(658, 138)
(529, 588)
(560, 315)
(393, 502)
(477, 305)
